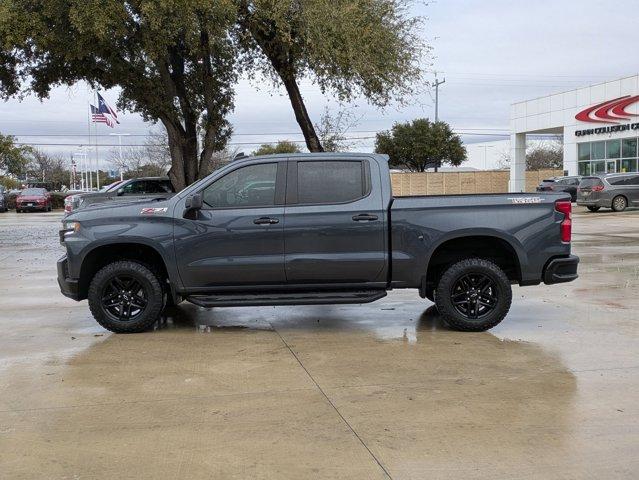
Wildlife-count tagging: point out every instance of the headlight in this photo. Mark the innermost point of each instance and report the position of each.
(68, 228)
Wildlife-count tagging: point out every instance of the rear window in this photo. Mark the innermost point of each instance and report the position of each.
(589, 182)
(550, 180)
(330, 182)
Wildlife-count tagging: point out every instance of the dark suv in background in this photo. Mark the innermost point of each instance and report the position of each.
(561, 184)
(155, 187)
(613, 190)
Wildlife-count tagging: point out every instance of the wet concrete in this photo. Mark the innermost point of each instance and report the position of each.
(373, 391)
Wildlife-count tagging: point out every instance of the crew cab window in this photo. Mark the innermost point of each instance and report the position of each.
(250, 186)
(330, 182)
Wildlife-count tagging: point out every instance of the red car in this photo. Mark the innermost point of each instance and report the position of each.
(34, 199)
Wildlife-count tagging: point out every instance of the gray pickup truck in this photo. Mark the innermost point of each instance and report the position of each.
(312, 229)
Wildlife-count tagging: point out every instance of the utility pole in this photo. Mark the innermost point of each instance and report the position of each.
(437, 84)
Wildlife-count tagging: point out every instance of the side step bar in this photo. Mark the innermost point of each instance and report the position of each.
(287, 298)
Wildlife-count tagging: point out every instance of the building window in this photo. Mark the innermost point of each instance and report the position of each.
(610, 156)
(583, 151)
(598, 150)
(629, 149)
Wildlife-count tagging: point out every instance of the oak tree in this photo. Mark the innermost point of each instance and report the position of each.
(172, 60)
(421, 144)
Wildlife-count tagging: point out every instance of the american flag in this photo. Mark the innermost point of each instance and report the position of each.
(98, 117)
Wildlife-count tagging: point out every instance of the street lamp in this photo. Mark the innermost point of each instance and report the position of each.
(120, 135)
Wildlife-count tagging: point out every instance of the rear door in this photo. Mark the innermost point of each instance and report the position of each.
(334, 222)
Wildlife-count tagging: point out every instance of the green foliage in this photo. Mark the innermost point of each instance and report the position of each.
(414, 145)
(13, 158)
(283, 146)
(173, 60)
(9, 183)
(347, 47)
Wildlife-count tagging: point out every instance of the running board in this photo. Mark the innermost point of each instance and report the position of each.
(287, 298)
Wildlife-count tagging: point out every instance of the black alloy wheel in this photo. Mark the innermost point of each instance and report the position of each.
(474, 296)
(124, 298)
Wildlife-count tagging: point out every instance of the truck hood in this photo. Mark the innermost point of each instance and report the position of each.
(122, 208)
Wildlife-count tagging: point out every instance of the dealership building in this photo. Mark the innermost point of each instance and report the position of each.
(599, 125)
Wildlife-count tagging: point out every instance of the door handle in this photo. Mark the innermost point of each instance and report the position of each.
(265, 221)
(364, 217)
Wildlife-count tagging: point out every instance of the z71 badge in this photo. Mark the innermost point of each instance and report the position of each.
(525, 199)
(153, 211)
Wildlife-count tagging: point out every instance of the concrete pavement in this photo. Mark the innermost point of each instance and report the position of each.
(374, 391)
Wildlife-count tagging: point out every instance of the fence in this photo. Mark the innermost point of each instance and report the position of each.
(450, 183)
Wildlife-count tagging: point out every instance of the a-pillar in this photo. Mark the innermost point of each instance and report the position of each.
(517, 162)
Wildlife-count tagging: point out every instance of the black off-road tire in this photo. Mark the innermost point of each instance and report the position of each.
(457, 271)
(151, 285)
(593, 208)
(619, 203)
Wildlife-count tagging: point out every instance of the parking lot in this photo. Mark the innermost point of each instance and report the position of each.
(382, 390)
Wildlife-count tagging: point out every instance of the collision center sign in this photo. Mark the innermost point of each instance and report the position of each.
(610, 111)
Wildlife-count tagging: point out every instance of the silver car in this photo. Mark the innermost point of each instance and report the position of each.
(613, 190)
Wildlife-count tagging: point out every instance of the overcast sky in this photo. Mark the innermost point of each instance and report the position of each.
(491, 53)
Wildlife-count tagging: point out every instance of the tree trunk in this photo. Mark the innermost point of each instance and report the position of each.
(184, 156)
(301, 115)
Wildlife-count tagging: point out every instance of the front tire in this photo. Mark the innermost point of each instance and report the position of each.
(593, 208)
(619, 203)
(473, 295)
(126, 297)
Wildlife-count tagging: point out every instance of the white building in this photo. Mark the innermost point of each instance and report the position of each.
(599, 124)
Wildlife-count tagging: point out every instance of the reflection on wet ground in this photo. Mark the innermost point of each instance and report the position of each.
(371, 391)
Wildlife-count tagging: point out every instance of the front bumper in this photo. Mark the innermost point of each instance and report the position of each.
(561, 270)
(68, 286)
(35, 206)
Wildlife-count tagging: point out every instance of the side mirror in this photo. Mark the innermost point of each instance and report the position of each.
(120, 192)
(193, 203)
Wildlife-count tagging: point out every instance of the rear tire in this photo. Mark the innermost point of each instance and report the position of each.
(593, 208)
(473, 295)
(619, 203)
(126, 297)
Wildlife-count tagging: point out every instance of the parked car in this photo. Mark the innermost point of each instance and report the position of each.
(312, 229)
(561, 184)
(611, 190)
(130, 189)
(3, 199)
(31, 199)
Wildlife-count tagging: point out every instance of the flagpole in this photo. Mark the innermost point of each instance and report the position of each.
(97, 158)
(89, 126)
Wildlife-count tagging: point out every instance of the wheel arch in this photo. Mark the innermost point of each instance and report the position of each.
(489, 245)
(101, 255)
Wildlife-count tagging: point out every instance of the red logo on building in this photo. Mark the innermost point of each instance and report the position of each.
(609, 112)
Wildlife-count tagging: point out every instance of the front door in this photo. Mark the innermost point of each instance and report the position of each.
(237, 238)
(334, 222)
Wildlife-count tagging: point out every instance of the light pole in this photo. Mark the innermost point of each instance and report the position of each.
(120, 135)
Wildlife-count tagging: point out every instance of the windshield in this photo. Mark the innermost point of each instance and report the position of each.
(33, 191)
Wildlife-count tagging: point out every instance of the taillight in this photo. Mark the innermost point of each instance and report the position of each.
(565, 207)
(597, 188)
